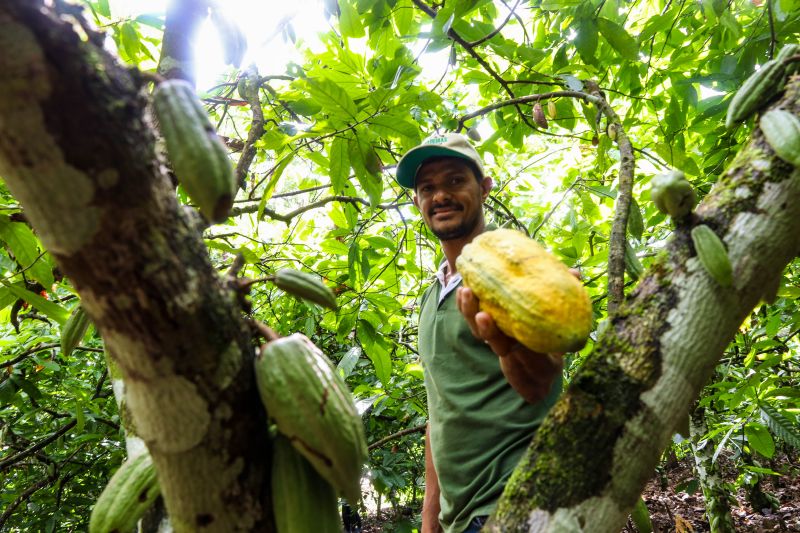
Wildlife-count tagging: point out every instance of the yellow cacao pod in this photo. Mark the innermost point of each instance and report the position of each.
(531, 295)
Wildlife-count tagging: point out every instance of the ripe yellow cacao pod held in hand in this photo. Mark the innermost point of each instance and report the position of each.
(530, 294)
(311, 405)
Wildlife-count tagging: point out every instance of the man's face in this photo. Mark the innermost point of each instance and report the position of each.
(450, 198)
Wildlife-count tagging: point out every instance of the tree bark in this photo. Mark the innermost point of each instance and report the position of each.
(717, 496)
(77, 152)
(595, 451)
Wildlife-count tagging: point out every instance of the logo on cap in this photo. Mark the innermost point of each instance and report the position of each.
(436, 140)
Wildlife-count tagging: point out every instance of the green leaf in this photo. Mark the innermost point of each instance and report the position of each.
(780, 424)
(52, 310)
(332, 98)
(619, 39)
(340, 164)
(393, 125)
(273, 181)
(635, 222)
(760, 439)
(555, 5)
(348, 361)
(349, 21)
(641, 517)
(24, 245)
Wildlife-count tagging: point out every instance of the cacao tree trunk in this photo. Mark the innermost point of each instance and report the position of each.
(717, 496)
(77, 153)
(595, 451)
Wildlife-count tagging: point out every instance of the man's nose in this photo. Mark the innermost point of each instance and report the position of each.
(440, 194)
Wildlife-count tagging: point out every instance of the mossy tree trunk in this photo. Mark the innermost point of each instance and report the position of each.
(717, 496)
(595, 451)
(77, 152)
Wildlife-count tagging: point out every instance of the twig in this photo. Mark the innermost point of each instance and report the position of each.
(496, 30)
(28, 353)
(8, 461)
(402, 433)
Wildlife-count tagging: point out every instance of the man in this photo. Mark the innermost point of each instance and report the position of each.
(487, 394)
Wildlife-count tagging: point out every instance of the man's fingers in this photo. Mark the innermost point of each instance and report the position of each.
(499, 342)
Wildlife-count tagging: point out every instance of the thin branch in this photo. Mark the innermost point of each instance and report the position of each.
(553, 210)
(24, 355)
(42, 483)
(498, 29)
(251, 93)
(286, 217)
(9, 461)
(402, 433)
(772, 38)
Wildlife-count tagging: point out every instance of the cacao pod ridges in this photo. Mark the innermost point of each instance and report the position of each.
(129, 494)
(305, 286)
(712, 255)
(199, 158)
(311, 405)
(303, 502)
(530, 293)
(781, 129)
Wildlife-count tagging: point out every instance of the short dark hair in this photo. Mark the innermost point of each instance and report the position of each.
(467, 162)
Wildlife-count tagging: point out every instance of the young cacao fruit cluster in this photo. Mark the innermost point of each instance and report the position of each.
(712, 254)
(673, 194)
(313, 408)
(303, 502)
(129, 494)
(305, 286)
(530, 294)
(198, 156)
(762, 86)
(782, 131)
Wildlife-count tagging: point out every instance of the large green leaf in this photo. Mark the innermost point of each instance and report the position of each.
(760, 439)
(25, 247)
(51, 309)
(619, 39)
(332, 98)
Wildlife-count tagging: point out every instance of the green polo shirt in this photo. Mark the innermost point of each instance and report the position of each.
(479, 426)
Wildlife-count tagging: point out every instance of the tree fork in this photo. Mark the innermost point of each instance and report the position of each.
(595, 451)
(77, 152)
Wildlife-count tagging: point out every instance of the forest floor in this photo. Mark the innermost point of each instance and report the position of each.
(673, 504)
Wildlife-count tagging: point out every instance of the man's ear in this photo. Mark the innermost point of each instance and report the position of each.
(486, 187)
(416, 201)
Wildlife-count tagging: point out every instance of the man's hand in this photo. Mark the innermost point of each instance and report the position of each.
(530, 373)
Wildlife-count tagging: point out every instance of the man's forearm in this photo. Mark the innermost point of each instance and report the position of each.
(430, 503)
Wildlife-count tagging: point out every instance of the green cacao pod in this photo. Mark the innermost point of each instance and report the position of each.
(633, 266)
(712, 254)
(788, 51)
(756, 91)
(129, 494)
(312, 406)
(198, 156)
(552, 112)
(305, 286)
(782, 131)
(74, 329)
(530, 294)
(303, 502)
(673, 194)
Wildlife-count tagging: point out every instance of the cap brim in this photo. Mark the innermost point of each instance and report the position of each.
(406, 173)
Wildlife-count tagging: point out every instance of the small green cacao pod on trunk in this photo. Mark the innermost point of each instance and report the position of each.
(673, 194)
(312, 407)
(198, 156)
(305, 286)
(782, 131)
(633, 266)
(712, 254)
(74, 329)
(302, 501)
(756, 91)
(129, 494)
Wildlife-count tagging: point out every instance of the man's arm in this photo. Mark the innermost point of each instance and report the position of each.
(530, 373)
(430, 504)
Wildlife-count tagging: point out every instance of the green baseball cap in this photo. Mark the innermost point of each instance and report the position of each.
(438, 145)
